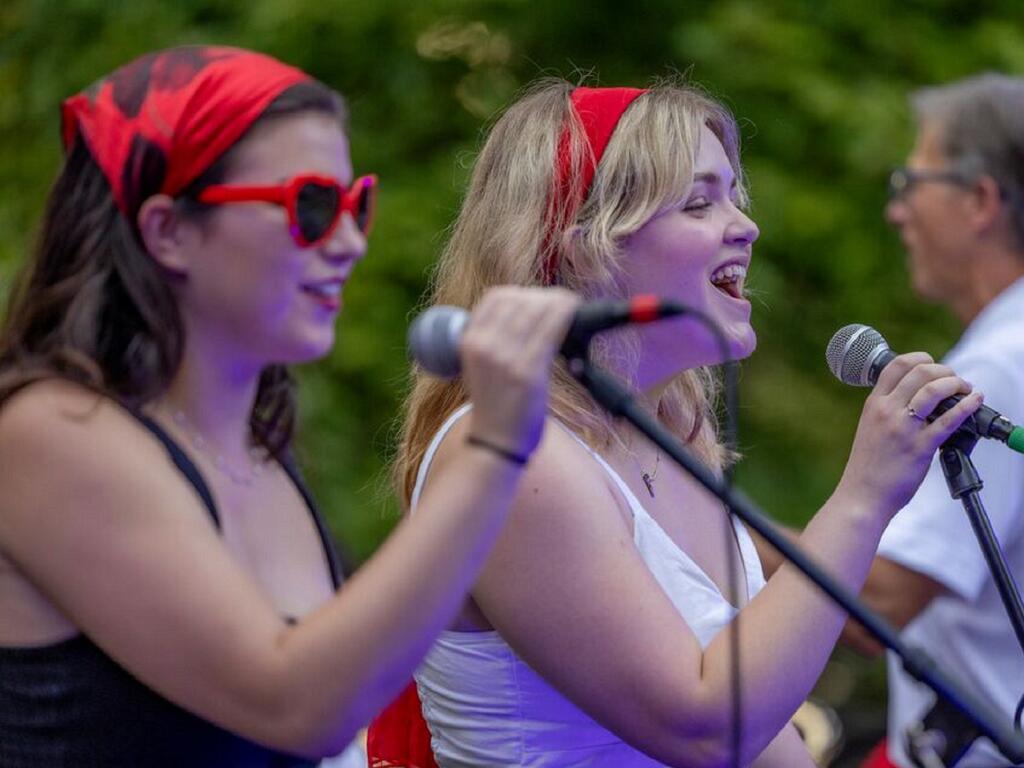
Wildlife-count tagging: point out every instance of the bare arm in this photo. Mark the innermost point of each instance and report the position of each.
(895, 592)
(771, 559)
(130, 557)
(787, 750)
(567, 589)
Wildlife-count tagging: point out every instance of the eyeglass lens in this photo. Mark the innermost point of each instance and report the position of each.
(316, 208)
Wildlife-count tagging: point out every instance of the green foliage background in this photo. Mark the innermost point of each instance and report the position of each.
(820, 89)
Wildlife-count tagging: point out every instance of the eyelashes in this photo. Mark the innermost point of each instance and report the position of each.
(697, 205)
(702, 203)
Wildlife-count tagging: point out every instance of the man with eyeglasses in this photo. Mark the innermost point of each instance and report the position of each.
(958, 205)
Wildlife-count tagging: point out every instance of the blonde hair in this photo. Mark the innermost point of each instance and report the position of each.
(509, 226)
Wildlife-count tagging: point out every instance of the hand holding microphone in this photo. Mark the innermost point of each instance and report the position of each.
(901, 425)
(857, 354)
(435, 335)
(504, 350)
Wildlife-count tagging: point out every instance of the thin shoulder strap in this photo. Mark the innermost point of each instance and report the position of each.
(634, 504)
(183, 463)
(188, 468)
(326, 540)
(421, 476)
(435, 443)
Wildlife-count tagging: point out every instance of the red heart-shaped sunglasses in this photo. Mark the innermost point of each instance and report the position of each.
(314, 203)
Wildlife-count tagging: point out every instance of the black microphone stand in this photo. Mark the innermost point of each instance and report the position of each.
(618, 400)
(943, 733)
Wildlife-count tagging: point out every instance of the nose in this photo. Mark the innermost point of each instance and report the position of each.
(741, 230)
(346, 242)
(896, 211)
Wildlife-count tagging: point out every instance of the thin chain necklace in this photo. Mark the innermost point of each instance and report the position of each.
(238, 475)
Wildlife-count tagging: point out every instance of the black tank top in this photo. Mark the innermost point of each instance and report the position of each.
(68, 705)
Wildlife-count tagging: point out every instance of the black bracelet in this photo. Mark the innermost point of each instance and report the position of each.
(515, 458)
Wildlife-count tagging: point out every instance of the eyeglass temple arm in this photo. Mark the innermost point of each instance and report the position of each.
(233, 194)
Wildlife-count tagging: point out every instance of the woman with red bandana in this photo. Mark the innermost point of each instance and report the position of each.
(599, 632)
(167, 588)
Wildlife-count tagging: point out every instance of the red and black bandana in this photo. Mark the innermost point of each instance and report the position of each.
(172, 114)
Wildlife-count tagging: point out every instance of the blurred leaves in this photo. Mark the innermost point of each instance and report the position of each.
(820, 91)
(819, 88)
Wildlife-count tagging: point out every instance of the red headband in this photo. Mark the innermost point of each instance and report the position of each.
(173, 111)
(599, 111)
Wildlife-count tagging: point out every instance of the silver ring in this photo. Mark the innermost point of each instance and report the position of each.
(915, 415)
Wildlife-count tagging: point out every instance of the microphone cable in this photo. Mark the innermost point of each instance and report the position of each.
(733, 556)
(433, 342)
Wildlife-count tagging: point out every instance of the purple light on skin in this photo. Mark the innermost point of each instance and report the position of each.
(535, 434)
(238, 372)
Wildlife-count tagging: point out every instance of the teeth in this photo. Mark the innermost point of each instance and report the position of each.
(328, 289)
(728, 274)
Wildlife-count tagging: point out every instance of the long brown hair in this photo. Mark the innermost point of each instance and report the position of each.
(503, 235)
(93, 307)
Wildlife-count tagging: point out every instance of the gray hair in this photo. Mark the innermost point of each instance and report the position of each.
(980, 122)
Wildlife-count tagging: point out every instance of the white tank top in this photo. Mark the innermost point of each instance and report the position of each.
(485, 706)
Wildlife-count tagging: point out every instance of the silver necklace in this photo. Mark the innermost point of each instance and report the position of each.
(238, 475)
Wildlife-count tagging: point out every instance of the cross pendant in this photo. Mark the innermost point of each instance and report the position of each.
(649, 482)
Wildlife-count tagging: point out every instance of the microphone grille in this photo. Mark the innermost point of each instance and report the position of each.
(434, 339)
(850, 352)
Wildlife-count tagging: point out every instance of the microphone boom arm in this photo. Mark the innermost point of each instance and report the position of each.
(942, 731)
(619, 401)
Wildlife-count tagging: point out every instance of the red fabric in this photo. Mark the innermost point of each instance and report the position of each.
(878, 757)
(398, 737)
(180, 109)
(598, 111)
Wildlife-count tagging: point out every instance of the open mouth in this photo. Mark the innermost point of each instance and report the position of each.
(324, 290)
(729, 280)
(326, 294)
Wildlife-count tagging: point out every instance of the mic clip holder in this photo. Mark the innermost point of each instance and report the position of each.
(944, 734)
(941, 738)
(617, 399)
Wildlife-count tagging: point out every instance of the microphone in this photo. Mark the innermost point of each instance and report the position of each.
(434, 335)
(856, 355)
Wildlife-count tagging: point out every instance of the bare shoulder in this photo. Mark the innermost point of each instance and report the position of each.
(558, 457)
(562, 480)
(51, 410)
(66, 450)
(565, 478)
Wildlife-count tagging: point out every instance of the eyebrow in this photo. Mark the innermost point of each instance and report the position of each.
(712, 178)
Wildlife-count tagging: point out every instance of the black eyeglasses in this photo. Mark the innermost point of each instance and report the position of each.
(902, 179)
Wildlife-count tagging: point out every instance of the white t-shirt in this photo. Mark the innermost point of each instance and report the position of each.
(967, 631)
